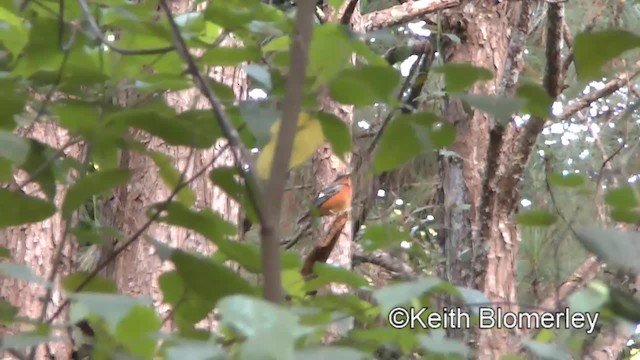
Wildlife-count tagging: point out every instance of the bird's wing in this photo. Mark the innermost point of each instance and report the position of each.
(327, 193)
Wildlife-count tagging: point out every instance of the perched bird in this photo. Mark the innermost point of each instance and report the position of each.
(334, 198)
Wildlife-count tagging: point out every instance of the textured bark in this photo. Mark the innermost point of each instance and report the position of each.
(137, 269)
(485, 263)
(405, 12)
(35, 245)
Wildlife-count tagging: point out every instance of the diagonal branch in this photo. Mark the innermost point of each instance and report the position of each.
(404, 13)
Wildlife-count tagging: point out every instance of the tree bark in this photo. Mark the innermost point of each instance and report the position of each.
(36, 245)
(485, 263)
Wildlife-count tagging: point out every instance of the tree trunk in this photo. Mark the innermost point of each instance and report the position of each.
(485, 263)
(36, 245)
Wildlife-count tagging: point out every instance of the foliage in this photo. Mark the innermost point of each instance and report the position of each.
(41, 56)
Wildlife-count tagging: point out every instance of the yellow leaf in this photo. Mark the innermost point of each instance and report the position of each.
(308, 138)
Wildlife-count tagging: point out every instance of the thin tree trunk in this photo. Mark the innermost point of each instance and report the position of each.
(36, 245)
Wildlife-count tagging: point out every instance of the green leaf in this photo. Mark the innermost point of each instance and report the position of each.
(197, 274)
(327, 39)
(22, 209)
(245, 254)
(415, 130)
(230, 56)
(381, 236)
(622, 197)
(547, 351)
(188, 307)
(592, 50)
(589, 299)
(90, 185)
(206, 222)
(183, 349)
(256, 320)
(225, 179)
(460, 77)
(13, 147)
(500, 107)
(538, 102)
(40, 166)
(331, 352)
(260, 74)
(97, 284)
(327, 274)
(22, 272)
(365, 85)
(111, 307)
(473, 298)
(391, 296)
(436, 343)
(12, 101)
(616, 248)
(626, 215)
(171, 177)
(569, 180)
(5, 253)
(27, 339)
(536, 218)
(259, 115)
(623, 304)
(8, 312)
(134, 329)
(337, 132)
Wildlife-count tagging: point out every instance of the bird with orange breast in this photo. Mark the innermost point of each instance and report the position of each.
(333, 199)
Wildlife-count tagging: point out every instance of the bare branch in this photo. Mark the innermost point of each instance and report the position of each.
(349, 8)
(608, 89)
(403, 13)
(384, 260)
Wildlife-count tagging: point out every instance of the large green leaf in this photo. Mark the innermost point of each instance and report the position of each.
(405, 137)
(336, 132)
(616, 248)
(592, 50)
(206, 222)
(622, 197)
(93, 184)
(460, 77)
(183, 349)
(111, 307)
(13, 147)
(197, 274)
(270, 330)
(97, 284)
(500, 107)
(394, 295)
(188, 307)
(327, 274)
(365, 85)
(134, 331)
(569, 180)
(538, 101)
(22, 272)
(19, 208)
(328, 39)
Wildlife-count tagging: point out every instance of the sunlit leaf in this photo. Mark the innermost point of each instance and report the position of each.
(308, 137)
(569, 180)
(622, 197)
(171, 177)
(97, 284)
(538, 101)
